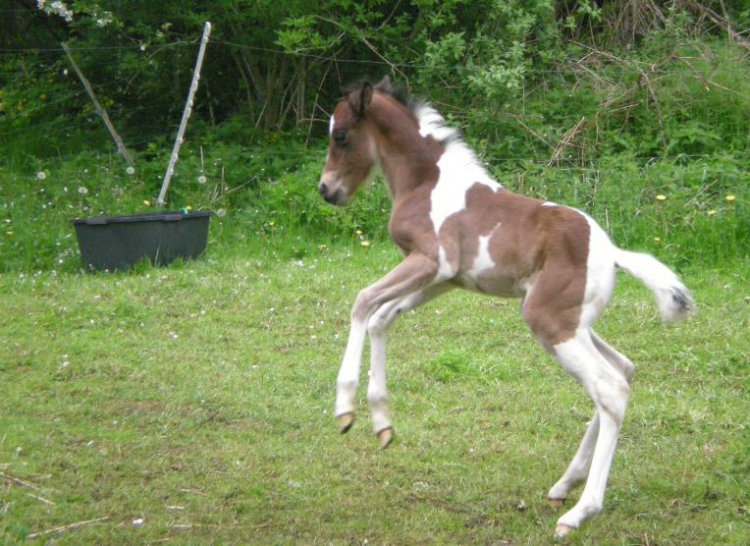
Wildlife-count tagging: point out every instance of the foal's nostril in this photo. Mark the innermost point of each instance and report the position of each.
(322, 188)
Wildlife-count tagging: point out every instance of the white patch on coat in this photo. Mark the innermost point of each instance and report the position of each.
(483, 261)
(600, 272)
(549, 204)
(459, 168)
(445, 270)
(431, 123)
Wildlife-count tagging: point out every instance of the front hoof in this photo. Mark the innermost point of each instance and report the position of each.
(562, 530)
(556, 503)
(345, 421)
(385, 436)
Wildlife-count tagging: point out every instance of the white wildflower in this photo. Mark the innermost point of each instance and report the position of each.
(55, 8)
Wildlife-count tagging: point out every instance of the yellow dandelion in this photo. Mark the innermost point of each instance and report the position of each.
(661, 197)
(147, 202)
(730, 198)
(358, 232)
(711, 212)
(657, 239)
(365, 243)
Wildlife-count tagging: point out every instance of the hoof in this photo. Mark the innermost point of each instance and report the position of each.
(345, 421)
(562, 530)
(385, 436)
(556, 503)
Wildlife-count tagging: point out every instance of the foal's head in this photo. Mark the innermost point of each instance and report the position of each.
(352, 152)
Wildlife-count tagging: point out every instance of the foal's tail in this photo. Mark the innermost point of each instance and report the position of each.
(672, 297)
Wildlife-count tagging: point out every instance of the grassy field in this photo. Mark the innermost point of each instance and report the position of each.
(192, 405)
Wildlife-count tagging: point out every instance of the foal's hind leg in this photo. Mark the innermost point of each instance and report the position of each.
(579, 467)
(609, 390)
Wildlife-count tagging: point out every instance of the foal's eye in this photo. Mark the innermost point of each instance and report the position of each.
(339, 136)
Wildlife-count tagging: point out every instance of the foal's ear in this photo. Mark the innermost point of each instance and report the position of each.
(360, 100)
(385, 85)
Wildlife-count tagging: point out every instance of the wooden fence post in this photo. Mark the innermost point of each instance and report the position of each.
(99, 108)
(185, 114)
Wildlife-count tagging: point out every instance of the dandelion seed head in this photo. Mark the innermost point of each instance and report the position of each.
(661, 197)
(41, 175)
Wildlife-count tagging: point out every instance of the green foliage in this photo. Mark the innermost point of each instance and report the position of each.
(577, 102)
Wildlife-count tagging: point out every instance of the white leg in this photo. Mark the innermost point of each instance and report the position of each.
(348, 377)
(377, 327)
(609, 391)
(579, 467)
(618, 360)
(412, 275)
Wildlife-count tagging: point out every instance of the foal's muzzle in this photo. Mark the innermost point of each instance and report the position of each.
(331, 195)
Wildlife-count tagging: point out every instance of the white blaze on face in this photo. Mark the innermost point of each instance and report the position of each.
(331, 123)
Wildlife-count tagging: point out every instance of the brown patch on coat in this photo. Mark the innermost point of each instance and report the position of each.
(552, 308)
(539, 252)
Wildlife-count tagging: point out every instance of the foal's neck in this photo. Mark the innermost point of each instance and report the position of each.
(407, 157)
(414, 146)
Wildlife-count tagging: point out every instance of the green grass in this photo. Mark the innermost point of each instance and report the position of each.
(197, 398)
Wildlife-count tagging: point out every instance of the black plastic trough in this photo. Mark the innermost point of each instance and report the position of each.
(119, 242)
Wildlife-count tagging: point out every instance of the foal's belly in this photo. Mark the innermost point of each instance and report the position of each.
(489, 282)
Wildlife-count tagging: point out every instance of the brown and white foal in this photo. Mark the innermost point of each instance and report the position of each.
(457, 227)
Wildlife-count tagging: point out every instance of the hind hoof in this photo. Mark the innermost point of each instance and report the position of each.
(562, 530)
(385, 436)
(345, 421)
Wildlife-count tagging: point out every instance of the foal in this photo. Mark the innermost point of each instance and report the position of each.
(457, 227)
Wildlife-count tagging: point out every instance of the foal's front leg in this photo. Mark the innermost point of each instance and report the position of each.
(412, 275)
(377, 328)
